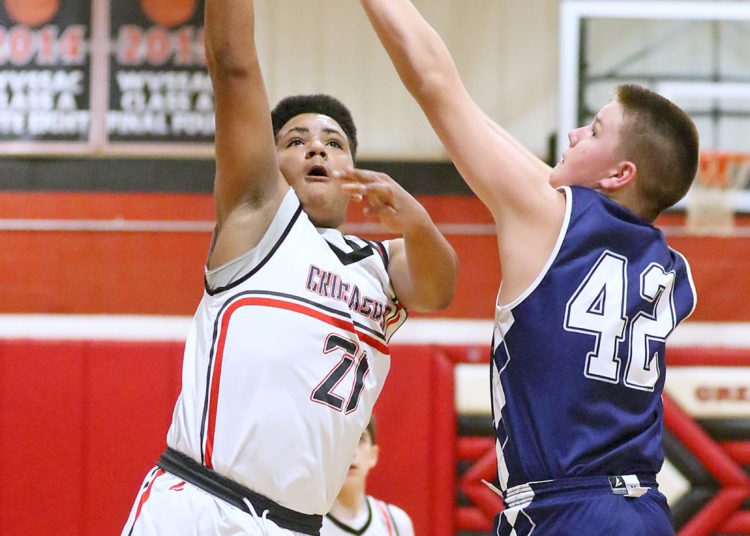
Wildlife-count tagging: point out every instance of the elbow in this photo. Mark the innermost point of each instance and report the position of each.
(430, 87)
(228, 62)
(431, 70)
(449, 289)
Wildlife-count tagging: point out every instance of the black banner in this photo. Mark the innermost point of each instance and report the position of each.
(45, 70)
(159, 89)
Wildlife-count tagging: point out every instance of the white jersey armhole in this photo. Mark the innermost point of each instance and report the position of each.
(690, 280)
(232, 271)
(553, 255)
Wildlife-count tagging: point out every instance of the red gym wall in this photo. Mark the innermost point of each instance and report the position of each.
(81, 422)
(161, 272)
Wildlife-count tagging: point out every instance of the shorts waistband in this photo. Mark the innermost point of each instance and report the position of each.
(633, 485)
(236, 494)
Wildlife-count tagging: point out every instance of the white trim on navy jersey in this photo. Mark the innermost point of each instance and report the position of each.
(550, 260)
(692, 283)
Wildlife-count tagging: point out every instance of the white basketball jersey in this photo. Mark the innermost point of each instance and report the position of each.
(380, 519)
(286, 355)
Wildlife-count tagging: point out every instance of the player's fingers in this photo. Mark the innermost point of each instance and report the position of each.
(378, 193)
(364, 176)
(379, 210)
(354, 188)
(355, 191)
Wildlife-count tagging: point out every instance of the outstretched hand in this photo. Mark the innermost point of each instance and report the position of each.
(385, 198)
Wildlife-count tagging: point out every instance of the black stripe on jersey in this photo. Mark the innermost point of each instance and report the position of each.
(212, 292)
(344, 315)
(380, 248)
(351, 530)
(357, 254)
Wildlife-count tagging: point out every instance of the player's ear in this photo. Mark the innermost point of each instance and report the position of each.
(374, 452)
(623, 173)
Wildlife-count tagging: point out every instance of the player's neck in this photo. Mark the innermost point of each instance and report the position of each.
(629, 198)
(349, 504)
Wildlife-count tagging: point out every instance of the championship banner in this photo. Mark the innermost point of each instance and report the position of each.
(45, 71)
(159, 88)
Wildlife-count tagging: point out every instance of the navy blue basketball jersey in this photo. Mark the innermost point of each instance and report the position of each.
(578, 359)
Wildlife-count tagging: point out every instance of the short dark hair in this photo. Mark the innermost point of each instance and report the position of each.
(315, 104)
(662, 141)
(373, 430)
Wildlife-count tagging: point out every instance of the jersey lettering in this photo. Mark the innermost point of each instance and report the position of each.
(643, 368)
(332, 285)
(598, 308)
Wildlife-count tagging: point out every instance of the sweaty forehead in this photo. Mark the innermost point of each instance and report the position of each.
(312, 122)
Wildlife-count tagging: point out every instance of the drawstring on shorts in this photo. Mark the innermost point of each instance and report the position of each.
(260, 520)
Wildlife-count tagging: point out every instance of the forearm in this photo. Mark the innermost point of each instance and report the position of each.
(230, 35)
(246, 167)
(416, 50)
(432, 266)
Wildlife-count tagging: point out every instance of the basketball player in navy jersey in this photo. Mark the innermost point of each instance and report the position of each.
(590, 292)
(288, 349)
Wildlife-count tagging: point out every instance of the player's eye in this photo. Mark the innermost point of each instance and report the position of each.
(335, 143)
(294, 141)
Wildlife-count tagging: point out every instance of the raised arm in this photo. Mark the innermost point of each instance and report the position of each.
(423, 266)
(248, 186)
(508, 178)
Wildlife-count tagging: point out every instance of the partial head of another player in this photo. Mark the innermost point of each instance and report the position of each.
(365, 458)
(641, 150)
(315, 137)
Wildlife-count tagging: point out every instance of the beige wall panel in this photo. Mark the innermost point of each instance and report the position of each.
(506, 51)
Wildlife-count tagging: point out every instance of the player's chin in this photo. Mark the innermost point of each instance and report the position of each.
(324, 211)
(324, 218)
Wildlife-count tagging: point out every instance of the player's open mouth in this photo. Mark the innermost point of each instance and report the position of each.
(317, 174)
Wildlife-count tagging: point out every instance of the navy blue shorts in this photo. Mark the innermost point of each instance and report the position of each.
(586, 506)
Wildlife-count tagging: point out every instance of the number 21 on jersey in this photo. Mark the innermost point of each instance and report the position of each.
(350, 355)
(598, 308)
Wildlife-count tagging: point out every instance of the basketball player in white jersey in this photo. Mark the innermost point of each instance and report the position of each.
(355, 512)
(288, 349)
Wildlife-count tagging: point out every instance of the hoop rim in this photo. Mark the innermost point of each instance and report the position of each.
(714, 166)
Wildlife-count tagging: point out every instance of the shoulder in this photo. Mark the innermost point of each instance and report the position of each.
(226, 275)
(380, 249)
(400, 519)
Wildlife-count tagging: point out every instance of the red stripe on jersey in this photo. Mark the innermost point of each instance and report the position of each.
(386, 516)
(397, 316)
(278, 304)
(146, 494)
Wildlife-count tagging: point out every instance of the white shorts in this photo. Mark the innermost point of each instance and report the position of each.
(166, 505)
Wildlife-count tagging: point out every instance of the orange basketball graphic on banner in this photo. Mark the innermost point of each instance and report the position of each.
(31, 12)
(168, 12)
